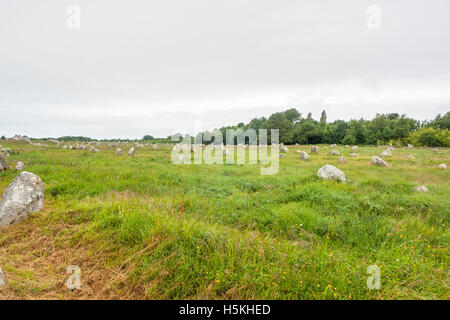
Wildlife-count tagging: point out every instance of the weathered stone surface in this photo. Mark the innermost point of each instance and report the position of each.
(335, 153)
(342, 160)
(20, 166)
(25, 194)
(3, 164)
(304, 155)
(315, 149)
(131, 152)
(385, 153)
(284, 149)
(155, 147)
(2, 278)
(353, 154)
(442, 166)
(355, 148)
(331, 172)
(118, 151)
(421, 189)
(333, 146)
(379, 162)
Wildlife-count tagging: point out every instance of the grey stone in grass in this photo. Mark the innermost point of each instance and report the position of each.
(342, 160)
(329, 172)
(377, 161)
(353, 154)
(304, 155)
(20, 166)
(335, 153)
(421, 189)
(355, 148)
(118, 151)
(131, 152)
(385, 153)
(25, 194)
(284, 149)
(315, 149)
(3, 164)
(2, 278)
(442, 166)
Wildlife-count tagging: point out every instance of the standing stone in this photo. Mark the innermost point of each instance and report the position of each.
(2, 278)
(20, 166)
(335, 152)
(377, 161)
(284, 149)
(118, 151)
(155, 147)
(25, 194)
(304, 155)
(131, 152)
(342, 160)
(282, 155)
(355, 148)
(410, 146)
(3, 164)
(315, 149)
(353, 154)
(385, 153)
(442, 166)
(330, 172)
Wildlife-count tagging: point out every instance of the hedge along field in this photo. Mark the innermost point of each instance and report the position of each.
(144, 228)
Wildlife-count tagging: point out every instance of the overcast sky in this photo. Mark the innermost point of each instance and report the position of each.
(157, 67)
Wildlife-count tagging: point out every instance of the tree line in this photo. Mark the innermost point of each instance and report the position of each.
(383, 129)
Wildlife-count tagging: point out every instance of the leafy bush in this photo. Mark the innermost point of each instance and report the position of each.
(430, 137)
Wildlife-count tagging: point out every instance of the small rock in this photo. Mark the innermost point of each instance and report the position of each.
(304, 155)
(2, 278)
(353, 154)
(282, 155)
(331, 172)
(410, 146)
(385, 153)
(284, 149)
(3, 164)
(379, 162)
(335, 153)
(355, 148)
(442, 166)
(315, 149)
(342, 160)
(421, 189)
(118, 151)
(20, 166)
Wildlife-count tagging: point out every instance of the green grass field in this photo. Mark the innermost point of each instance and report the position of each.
(144, 228)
